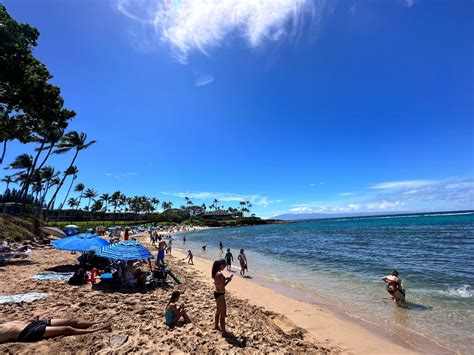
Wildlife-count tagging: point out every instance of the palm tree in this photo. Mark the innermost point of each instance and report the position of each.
(114, 200)
(72, 170)
(91, 194)
(48, 179)
(71, 140)
(79, 188)
(23, 163)
(204, 207)
(216, 201)
(8, 180)
(73, 202)
(105, 198)
(47, 140)
(155, 202)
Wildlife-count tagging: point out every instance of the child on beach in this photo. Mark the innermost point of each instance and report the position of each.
(243, 262)
(174, 313)
(220, 282)
(228, 259)
(204, 247)
(190, 257)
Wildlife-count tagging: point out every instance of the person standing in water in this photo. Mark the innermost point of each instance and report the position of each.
(228, 259)
(220, 282)
(184, 239)
(221, 247)
(394, 286)
(243, 262)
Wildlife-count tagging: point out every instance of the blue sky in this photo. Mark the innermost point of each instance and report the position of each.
(297, 106)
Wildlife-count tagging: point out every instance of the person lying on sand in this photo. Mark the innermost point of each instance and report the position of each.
(174, 313)
(37, 330)
(220, 282)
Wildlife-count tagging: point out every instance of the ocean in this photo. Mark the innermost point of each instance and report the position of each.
(340, 262)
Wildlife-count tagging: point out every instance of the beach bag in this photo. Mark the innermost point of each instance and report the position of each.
(79, 278)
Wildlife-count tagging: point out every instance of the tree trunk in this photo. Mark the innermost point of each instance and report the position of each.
(67, 194)
(4, 150)
(51, 203)
(25, 188)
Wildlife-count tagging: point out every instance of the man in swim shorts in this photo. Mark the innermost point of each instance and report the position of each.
(37, 330)
(162, 246)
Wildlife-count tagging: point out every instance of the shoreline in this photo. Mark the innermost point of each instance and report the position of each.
(267, 318)
(321, 324)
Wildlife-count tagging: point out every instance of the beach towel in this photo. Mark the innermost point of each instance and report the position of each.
(24, 297)
(54, 276)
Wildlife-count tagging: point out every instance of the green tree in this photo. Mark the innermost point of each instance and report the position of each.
(91, 194)
(71, 171)
(73, 202)
(28, 103)
(105, 198)
(72, 140)
(79, 188)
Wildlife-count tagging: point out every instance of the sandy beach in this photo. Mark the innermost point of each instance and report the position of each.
(259, 319)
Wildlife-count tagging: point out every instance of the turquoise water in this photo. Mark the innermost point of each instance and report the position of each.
(342, 261)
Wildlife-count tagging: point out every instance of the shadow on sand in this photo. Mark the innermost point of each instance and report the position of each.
(110, 287)
(63, 268)
(416, 307)
(240, 342)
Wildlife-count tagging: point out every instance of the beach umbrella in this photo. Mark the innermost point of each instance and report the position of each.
(113, 228)
(80, 242)
(73, 226)
(125, 250)
(70, 232)
(53, 231)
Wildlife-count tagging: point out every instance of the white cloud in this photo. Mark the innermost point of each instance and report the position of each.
(204, 80)
(409, 3)
(255, 199)
(393, 185)
(346, 194)
(188, 25)
(119, 175)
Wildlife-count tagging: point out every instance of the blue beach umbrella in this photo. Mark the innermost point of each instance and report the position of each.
(80, 242)
(113, 228)
(69, 232)
(125, 250)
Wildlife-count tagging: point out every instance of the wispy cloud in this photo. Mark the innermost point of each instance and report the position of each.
(408, 195)
(204, 80)
(197, 25)
(374, 206)
(120, 175)
(409, 3)
(345, 193)
(392, 185)
(255, 199)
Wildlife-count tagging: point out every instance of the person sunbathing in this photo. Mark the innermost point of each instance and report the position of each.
(37, 330)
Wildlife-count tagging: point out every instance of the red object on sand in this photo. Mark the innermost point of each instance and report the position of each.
(92, 276)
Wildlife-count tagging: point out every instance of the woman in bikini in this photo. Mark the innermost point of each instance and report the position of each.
(220, 282)
(243, 262)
